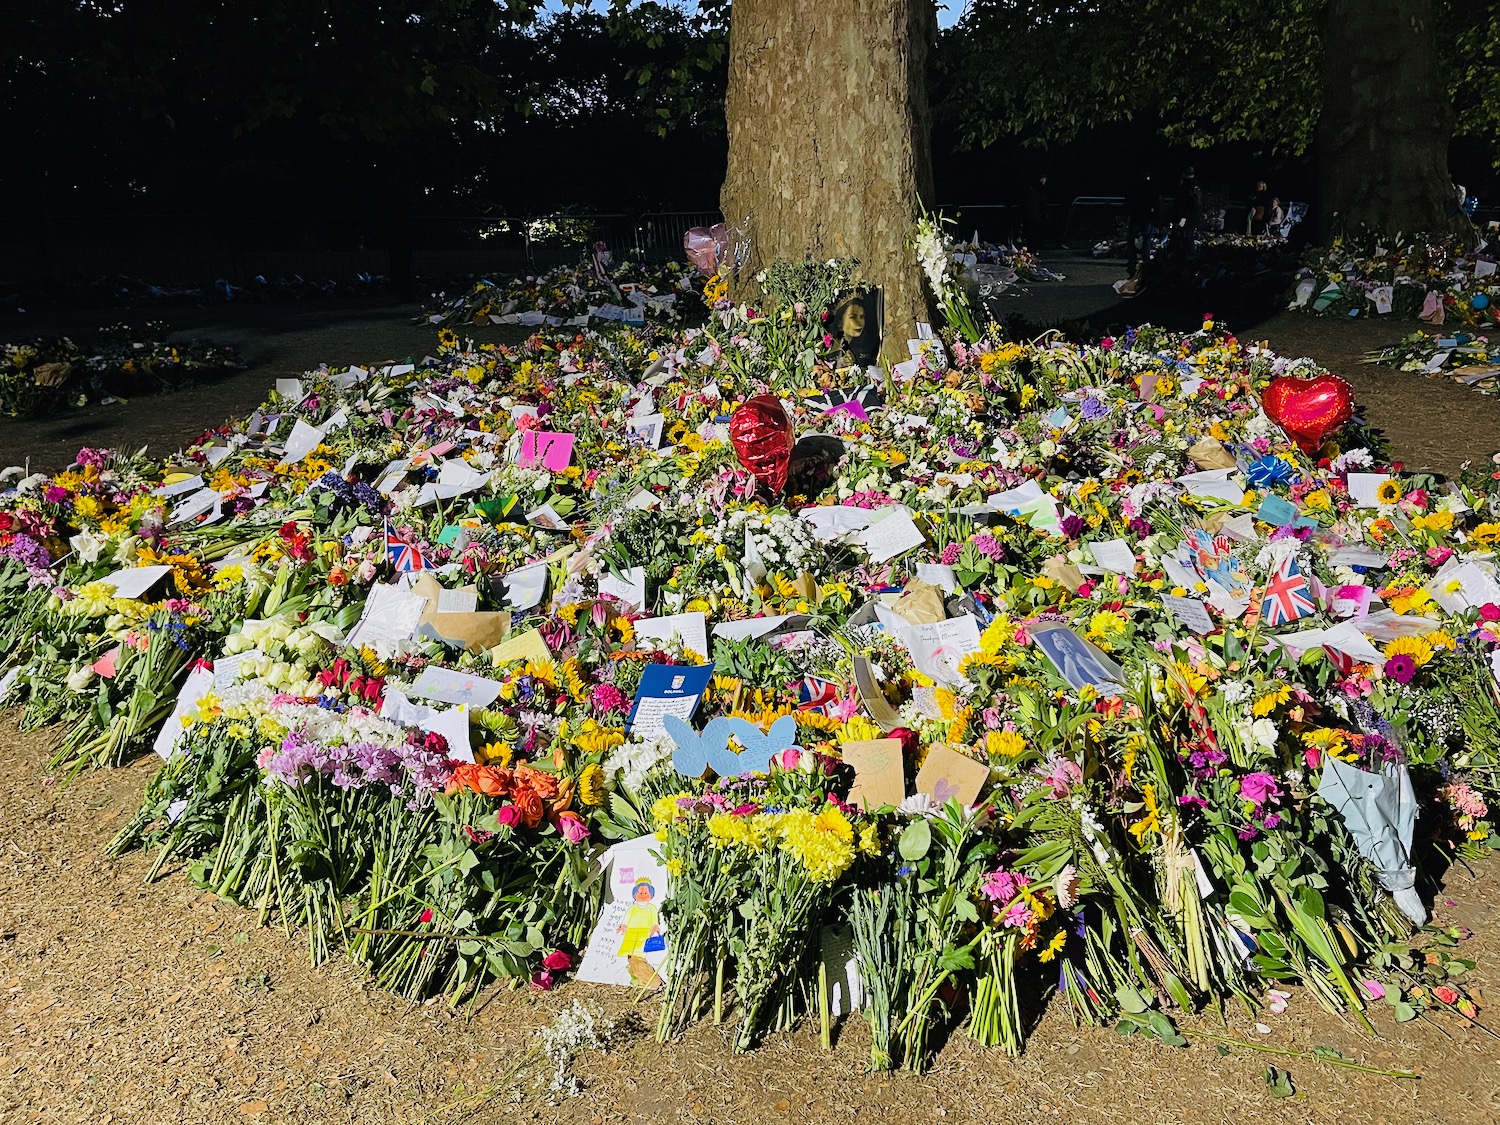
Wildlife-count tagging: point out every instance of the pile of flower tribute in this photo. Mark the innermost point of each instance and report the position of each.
(1041, 661)
(574, 296)
(1463, 357)
(1432, 279)
(44, 374)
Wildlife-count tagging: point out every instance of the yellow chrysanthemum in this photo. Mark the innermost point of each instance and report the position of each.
(1004, 743)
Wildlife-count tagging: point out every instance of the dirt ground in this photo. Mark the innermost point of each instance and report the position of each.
(126, 1002)
(123, 1002)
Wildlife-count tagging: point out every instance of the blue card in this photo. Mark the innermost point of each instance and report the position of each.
(1276, 511)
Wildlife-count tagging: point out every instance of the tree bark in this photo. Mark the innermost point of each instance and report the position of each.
(1382, 139)
(829, 139)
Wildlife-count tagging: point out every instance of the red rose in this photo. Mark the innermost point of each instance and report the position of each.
(557, 962)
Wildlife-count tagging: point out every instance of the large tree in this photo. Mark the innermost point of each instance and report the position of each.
(829, 137)
(1358, 81)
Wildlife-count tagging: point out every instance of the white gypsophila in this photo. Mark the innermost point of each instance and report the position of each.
(1234, 691)
(575, 1030)
(336, 728)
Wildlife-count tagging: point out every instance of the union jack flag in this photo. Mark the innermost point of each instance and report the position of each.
(403, 556)
(1287, 597)
(818, 695)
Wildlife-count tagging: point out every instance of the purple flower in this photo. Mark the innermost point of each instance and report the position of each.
(55, 494)
(1400, 668)
(1071, 527)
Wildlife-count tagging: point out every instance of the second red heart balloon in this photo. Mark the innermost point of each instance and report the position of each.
(762, 437)
(1309, 410)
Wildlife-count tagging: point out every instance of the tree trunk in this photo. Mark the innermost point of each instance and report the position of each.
(829, 147)
(1382, 140)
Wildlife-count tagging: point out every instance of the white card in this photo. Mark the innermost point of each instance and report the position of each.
(302, 441)
(1115, 555)
(938, 649)
(1191, 612)
(391, 616)
(1364, 486)
(892, 535)
(449, 686)
(630, 589)
(1213, 484)
(831, 521)
(181, 487)
(636, 884)
(199, 683)
(1366, 557)
(132, 582)
(939, 575)
(690, 628)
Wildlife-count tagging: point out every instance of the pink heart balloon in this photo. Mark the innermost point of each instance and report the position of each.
(702, 248)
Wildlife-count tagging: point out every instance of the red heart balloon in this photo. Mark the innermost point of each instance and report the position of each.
(1309, 410)
(762, 437)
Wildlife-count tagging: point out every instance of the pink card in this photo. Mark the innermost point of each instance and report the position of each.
(552, 451)
(105, 665)
(1351, 601)
(432, 454)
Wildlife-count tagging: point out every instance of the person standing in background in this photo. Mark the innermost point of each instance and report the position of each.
(1034, 212)
(1140, 222)
(1187, 210)
(1260, 209)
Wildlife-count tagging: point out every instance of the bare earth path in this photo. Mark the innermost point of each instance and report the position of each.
(122, 1002)
(126, 1002)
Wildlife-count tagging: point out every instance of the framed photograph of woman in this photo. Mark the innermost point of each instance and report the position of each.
(857, 323)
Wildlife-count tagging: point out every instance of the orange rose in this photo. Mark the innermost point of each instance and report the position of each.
(545, 784)
(487, 780)
(528, 805)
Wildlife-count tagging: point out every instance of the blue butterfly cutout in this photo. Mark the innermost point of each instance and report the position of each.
(698, 752)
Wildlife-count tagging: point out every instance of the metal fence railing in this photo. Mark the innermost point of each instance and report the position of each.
(178, 250)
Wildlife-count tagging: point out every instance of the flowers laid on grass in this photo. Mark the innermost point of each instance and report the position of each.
(1046, 664)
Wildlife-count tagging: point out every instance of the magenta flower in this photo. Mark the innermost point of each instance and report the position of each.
(1259, 788)
(1400, 668)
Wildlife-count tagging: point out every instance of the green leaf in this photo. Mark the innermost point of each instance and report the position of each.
(1405, 1013)
(915, 841)
(1130, 1000)
(1164, 1029)
(1279, 1081)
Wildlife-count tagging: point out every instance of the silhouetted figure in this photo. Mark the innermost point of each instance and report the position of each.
(1034, 212)
(1140, 216)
